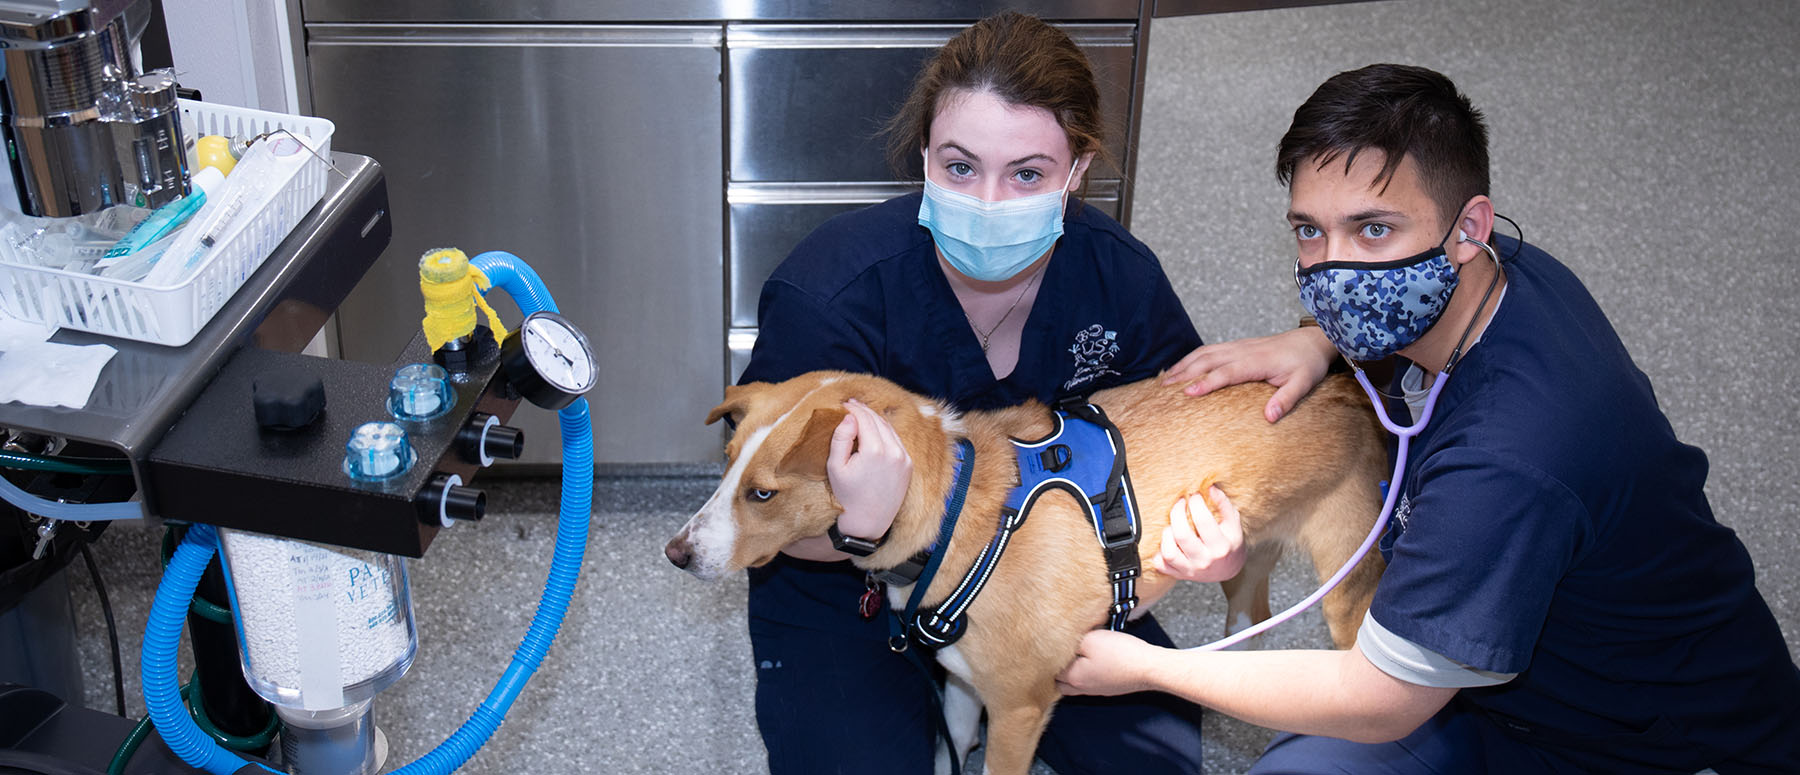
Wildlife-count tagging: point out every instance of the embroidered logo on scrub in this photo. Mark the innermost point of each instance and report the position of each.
(1396, 525)
(1094, 350)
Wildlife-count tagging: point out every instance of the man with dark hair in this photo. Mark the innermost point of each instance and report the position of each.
(1558, 596)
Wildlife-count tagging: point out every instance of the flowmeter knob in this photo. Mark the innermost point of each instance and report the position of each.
(287, 399)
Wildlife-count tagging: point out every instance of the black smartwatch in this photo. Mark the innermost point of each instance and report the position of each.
(861, 547)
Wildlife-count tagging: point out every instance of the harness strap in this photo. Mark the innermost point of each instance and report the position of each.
(1114, 514)
(953, 503)
(947, 622)
(897, 638)
(909, 571)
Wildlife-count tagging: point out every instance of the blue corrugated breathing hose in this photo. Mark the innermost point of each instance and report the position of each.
(162, 694)
(162, 637)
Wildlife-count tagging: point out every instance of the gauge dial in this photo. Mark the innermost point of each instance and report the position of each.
(549, 361)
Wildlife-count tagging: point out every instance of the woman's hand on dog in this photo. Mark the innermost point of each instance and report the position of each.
(1197, 546)
(869, 471)
(1293, 361)
(1108, 663)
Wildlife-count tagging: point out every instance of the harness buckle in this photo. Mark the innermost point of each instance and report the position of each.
(1116, 533)
(1122, 607)
(1117, 528)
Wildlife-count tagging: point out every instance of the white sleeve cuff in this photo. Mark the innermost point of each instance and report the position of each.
(1415, 664)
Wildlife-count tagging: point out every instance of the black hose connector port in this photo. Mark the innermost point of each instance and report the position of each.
(444, 500)
(505, 442)
(484, 440)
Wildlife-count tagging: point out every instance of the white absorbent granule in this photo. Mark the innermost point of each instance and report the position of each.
(302, 604)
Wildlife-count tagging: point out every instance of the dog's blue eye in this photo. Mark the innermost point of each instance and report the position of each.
(760, 496)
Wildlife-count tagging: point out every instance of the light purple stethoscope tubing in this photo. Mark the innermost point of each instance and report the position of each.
(1406, 434)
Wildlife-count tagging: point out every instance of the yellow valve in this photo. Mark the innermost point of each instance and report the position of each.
(452, 290)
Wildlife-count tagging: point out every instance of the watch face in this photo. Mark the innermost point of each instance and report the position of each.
(559, 353)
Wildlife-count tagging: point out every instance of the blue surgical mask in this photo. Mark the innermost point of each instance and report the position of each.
(992, 241)
(1373, 310)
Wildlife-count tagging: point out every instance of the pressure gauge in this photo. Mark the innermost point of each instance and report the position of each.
(548, 361)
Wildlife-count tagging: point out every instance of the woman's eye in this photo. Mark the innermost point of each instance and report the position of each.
(760, 496)
(960, 169)
(1029, 176)
(1306, 231)
(1376, 230)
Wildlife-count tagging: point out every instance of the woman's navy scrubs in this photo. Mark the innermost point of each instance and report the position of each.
(865, 293)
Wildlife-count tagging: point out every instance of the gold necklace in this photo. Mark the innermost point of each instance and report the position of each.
(1009, 310)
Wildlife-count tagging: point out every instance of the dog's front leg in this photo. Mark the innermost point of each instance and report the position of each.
(1013, 733)
(962, 714)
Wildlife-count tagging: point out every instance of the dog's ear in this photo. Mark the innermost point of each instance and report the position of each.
(808, 455)
(737, 401)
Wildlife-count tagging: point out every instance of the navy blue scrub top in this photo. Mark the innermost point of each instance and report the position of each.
(1552, 525)
(864, 293)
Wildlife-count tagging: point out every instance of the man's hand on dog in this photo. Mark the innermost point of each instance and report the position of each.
(1293, 361)
(1196, 546)
(1109, 663)
(869, 470)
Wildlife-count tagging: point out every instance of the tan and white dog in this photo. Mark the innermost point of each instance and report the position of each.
(1311, 481)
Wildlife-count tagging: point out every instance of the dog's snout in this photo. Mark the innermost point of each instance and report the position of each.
(679, 551)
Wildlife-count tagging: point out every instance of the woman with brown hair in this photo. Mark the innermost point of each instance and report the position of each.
(992, 287)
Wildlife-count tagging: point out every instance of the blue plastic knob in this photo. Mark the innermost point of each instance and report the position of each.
(420, 391)
(377, 451)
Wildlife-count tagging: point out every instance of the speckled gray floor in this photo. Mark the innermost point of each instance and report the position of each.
(1648, 143)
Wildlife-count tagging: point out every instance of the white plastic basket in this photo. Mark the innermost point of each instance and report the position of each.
(171, 315)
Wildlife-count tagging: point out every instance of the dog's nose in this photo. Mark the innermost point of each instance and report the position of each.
(678, 551)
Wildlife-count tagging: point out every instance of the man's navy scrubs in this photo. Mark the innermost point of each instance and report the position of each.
(865, 293)
(1552, 526)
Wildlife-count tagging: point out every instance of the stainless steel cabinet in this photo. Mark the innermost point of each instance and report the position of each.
(593, 152)
(808, 101)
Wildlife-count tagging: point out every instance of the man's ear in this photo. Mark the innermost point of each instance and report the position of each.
(737, 401)
(1476, 221)
(808, 455)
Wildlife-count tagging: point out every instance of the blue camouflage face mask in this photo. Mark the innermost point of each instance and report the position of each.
(992, 241)
(1373, 310)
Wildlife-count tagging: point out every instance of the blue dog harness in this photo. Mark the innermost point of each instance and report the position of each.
(1084, 455)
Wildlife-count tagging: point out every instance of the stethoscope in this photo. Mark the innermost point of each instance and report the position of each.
(1406, 433)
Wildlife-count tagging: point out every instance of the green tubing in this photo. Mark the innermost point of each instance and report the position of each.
(197, 708)
(63, 465)
(208, 609)
(138, 734)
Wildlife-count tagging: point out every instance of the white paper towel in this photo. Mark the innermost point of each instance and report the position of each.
(37, 372)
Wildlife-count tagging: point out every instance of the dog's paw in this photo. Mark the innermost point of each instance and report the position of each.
(1239, 624)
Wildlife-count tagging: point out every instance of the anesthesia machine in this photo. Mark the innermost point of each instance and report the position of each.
(292, 487)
